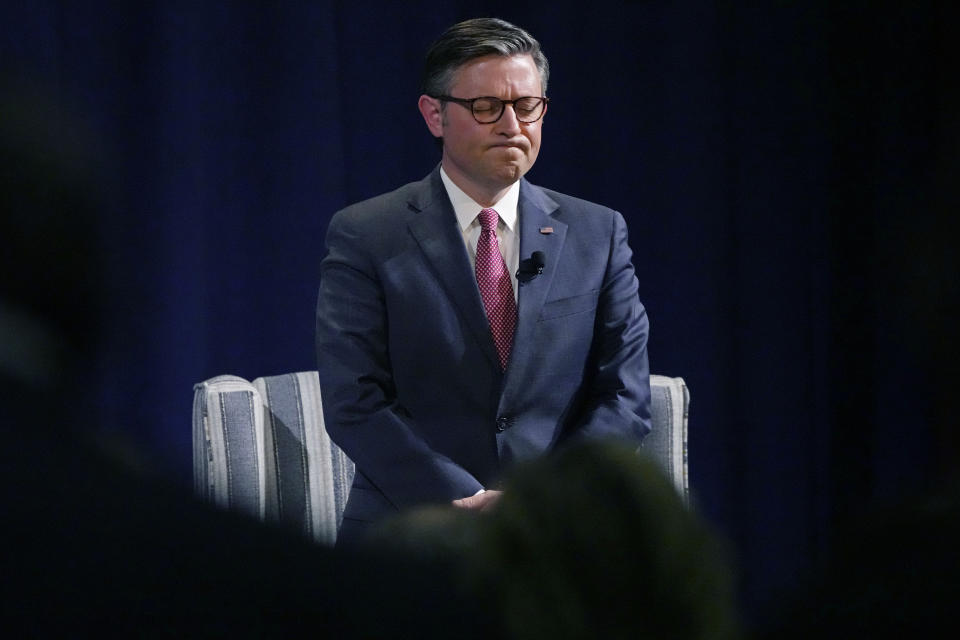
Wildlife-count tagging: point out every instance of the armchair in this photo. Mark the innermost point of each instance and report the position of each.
(260, 447)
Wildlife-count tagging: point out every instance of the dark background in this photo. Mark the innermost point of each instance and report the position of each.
(788, 171)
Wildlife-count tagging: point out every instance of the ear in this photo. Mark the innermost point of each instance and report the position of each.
(432, 111)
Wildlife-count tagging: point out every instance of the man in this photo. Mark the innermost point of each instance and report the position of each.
(471, 319)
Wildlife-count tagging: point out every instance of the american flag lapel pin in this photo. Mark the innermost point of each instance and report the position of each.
(546, 230)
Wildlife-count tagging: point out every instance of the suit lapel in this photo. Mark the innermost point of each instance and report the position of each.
(436, 230)
(539, 231)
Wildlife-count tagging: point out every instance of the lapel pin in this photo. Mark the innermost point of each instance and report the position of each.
(546, 230)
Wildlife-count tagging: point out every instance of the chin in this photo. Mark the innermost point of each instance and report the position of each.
(511, 174)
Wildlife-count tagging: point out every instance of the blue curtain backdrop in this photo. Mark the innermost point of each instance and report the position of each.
(782, 168)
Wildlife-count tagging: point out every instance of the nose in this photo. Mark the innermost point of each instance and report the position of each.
(508, 123)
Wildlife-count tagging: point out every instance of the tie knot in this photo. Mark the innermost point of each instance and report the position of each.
(488, 219)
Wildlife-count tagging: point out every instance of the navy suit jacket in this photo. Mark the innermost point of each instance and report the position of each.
(412, 387)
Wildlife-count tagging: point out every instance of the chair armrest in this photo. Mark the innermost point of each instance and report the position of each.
(667, 441)
(228, 447)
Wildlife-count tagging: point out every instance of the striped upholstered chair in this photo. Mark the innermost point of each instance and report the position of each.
(260, 447)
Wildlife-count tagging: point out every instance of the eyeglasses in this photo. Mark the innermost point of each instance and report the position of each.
(487, 110)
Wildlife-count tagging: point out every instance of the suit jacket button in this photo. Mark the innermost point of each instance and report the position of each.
(502, 424)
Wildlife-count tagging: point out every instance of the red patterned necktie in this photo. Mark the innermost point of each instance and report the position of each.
(495, 288)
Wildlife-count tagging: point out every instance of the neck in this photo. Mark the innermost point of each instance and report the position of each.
(484, 195)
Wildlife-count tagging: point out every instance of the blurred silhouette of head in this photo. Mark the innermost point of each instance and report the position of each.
(49, 262)
(591, 542)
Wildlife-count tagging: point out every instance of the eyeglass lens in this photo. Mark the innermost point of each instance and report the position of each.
(487, 110)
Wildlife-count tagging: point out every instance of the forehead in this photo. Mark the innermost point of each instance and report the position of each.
(498, 75)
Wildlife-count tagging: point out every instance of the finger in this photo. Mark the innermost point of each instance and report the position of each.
(471, 502)
(491, 501)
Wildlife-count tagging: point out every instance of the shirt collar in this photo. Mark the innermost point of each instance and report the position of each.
(467, 209)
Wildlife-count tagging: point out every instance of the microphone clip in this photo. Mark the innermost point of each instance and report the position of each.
(531, 267)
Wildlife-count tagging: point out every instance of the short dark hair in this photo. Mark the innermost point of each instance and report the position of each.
(476, 38)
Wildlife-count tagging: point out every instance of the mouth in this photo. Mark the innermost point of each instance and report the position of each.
(510, 145)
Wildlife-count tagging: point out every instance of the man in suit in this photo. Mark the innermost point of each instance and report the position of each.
(472, 319)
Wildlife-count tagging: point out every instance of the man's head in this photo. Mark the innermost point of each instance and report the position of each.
(485, 57)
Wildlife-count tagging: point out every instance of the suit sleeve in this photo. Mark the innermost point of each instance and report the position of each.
(360, 404)
(617, 394)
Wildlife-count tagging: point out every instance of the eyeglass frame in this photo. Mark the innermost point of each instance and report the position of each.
(468, 104)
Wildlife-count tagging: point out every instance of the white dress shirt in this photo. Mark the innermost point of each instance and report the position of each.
(508, 228)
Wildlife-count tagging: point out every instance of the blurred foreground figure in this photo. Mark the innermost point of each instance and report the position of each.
(893, 573)
(591, 542)
(91, 544)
